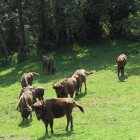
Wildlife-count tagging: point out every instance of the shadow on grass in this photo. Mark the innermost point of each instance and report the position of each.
(24, 124)
(58, 136)
(90, 56)
(122, 78)
(80, 95)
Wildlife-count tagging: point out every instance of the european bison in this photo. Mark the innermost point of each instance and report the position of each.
(82, 77)
(37, 92)
(66, 86)
(121, 62)
(24, 105)
(51, 108)
(27, 79)
(48, 64)
(28, 88)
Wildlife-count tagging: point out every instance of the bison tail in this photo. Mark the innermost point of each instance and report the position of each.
(79, 106)
(35, 73)
(91, 72)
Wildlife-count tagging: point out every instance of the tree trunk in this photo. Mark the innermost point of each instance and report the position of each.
(3, 44)
(42, 42)
(22, 32)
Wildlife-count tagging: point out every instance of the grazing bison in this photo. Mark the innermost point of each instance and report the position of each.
(37, 92)
(24, 105)
(51, 108)
(121, 62)
(48, 64)
(82, 78)
(27, 79)
(66, 86)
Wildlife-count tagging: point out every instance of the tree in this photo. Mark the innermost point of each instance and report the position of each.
(23, 50)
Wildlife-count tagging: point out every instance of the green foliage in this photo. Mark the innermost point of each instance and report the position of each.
(111, 103)
(45, 25)
(9, 60)
(131, 24)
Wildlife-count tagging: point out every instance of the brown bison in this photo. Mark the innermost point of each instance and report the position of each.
(121, 62)
(66, 86)
(37, 92)
(24, 105)
(51, 108)
(28, 88)
(48, 64)
(27, 79)
(82, 78)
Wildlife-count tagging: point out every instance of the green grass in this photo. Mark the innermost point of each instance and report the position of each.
(111, 104)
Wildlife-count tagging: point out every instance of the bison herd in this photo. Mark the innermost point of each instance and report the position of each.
(48, 109)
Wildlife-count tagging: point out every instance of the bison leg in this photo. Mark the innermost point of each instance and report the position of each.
(46, 126)
(31, 115)
(118, 71)
(80, 88)
(71, 122)
(122, 71)
(69, 118)
(71, 95)
(47, 69)
(51, 125)
(85, 87)
(26, 120)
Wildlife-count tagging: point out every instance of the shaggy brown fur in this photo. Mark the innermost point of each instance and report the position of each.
(24, 105)
(66, 86)
(37, 92)
(121, 62)
(28, 88)
(82, 78)
(48, 64)
(51, 108)
(27, 79)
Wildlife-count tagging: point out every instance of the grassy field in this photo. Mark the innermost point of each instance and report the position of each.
(111, 103)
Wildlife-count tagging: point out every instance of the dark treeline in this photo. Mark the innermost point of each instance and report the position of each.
(43, 25)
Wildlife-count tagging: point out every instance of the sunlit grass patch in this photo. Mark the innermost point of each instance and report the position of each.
(111, 103)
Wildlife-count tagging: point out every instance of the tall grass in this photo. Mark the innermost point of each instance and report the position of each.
(111, 103)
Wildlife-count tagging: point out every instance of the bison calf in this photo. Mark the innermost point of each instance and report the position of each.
(121, 62)
(51, 108)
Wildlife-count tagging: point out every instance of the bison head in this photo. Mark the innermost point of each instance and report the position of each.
(38, 107)
(58, 89)
(53, 70)
(120, 63)
(27, 112)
